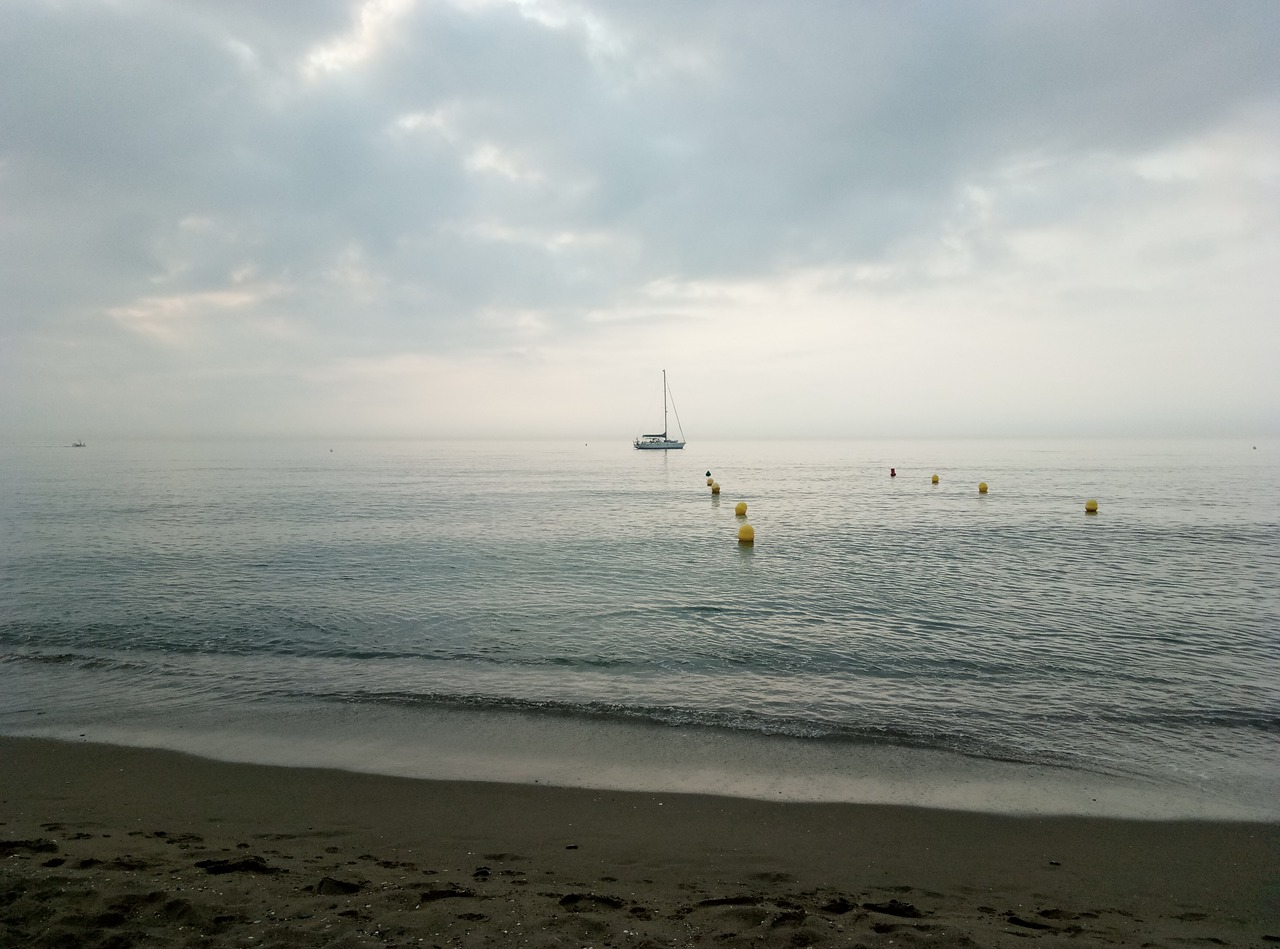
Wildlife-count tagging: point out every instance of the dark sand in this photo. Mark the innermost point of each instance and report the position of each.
(112, 847)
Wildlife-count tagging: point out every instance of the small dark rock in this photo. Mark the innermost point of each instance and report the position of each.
(1028, 923)
(839, 906)
(328, 886)
(244, 865)
(895, 908)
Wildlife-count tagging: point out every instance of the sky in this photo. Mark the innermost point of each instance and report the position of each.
(506, 218)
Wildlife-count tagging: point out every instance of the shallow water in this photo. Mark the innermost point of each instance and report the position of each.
(268, 596)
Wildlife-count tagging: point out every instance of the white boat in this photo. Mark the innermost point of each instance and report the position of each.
(661, 440)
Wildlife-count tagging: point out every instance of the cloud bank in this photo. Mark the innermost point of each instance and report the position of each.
(505, 217)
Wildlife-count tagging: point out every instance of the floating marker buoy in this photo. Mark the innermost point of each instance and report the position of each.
(1091, 506)
(893, 472)
(740, 509)
(746, 534)
(935, 479)
(708, 474)
(715, 488)
(710, 482)
(982, 487)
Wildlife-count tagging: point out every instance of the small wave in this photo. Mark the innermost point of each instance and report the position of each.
(734, 721)
(79, 660)
(1226, 718)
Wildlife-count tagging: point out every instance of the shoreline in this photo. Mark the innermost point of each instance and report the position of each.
(157, 846)
(563, 751)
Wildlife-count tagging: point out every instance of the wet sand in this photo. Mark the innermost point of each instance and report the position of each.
(104, 846)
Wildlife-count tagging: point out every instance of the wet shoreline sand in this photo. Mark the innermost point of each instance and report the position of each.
(107, 846)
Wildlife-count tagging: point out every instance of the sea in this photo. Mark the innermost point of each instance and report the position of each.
(583, 614)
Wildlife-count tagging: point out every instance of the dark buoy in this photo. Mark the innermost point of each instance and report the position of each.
(893, 472)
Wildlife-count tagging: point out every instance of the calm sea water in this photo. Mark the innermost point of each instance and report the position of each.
(210, 595)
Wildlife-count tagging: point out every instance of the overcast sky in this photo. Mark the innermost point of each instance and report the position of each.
(507, 217)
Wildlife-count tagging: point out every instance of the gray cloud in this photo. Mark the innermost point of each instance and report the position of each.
(270, 187)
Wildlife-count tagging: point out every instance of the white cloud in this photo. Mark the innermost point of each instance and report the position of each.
(178, 319)
(374, 24)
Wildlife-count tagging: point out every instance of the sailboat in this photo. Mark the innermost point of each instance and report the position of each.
(661, 440)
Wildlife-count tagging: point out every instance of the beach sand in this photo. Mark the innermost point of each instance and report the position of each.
(112, 847)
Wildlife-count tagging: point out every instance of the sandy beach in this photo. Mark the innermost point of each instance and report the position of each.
(105, 846)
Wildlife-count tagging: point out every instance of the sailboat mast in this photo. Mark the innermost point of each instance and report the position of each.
(664, 403)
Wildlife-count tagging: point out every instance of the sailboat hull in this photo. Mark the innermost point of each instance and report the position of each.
(648, 443)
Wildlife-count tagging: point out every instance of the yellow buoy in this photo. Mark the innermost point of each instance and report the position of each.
(746, 534)
(982, 487)
(935, 479)
(710, 481)
(1091, 506)
(715, 488)
(740, 509)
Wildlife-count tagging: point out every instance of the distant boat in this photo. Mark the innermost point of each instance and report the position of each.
(78, 444)
(661, 441)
